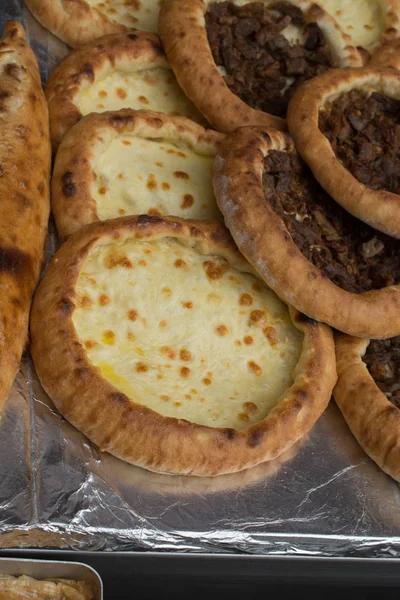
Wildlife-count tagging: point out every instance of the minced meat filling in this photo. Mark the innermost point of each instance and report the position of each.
(262, 67)
(383, 361)
(350, 253)
(364, 131)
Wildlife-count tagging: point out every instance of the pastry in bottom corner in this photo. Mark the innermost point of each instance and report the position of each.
(166, 350)
(27, 588)
(368, 394)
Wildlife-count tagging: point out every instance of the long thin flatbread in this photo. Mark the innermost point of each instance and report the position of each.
(24, 194)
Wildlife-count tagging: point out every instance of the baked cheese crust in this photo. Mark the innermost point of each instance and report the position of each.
(24, 193)
(118, 71)
(183, 33)
(372, 418)
(367, 22)
(133, 162)
(264, 240)
(163, 347)
(83, 21)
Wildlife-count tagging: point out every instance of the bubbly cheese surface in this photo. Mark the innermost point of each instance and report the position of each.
(135, 175)
(186, 335)
(150, 89)
(362, 20)
(142, 14)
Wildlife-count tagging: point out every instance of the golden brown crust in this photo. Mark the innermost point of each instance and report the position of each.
(72, 202)
(373, 420)
(127, 52)
(182, 31)
(24, 193)
(133, 432)
(378, 208)
(387, 55)
(391, 12)
(73, 21)
(263, 239)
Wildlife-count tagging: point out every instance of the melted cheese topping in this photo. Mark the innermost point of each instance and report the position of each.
(136, 175)
(142, 14)
(362, 20)
(185, 334)
(151, 89)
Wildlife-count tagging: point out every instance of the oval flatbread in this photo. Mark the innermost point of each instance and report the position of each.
(240, 63)
(345, 126)
(165, 350)
(130, 163)
(314, 254)
(80, 21)
(367, 393)
(24, 192)
(118, 71)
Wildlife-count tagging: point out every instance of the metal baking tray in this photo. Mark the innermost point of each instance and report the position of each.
(323, 498)
(52, 569)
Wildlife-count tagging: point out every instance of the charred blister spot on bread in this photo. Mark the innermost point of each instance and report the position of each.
(168, 352)
(271, 334)
(181, 175)
(86, 72)
(133, 315)
(255, 368)
(118, 397)
(187, 304)
(141, 367)
(143, 100)
(181, 264)
(117, 259)
(185, 355)
(3, 97)
(221, 330)
(66, 306)
(68, 186)
(14, 262)
(215, 272)
(148, 220)
(82, 373)
(255, 437)
(245, 300)
(185, 372)
(303, 319)
(133, 37)
(188, 201)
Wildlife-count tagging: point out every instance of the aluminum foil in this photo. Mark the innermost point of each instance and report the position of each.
(324, 497)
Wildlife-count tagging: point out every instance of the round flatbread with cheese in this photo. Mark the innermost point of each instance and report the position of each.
(80, 21)
(369, 23)
(118, 71)
(165, 349)
(133, 162)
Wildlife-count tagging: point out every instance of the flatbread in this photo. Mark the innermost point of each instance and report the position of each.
(372, 418)
(182, 28)
(24, 193)
(118, 71)
(133, 162)
(120, 359)
(77, 22)
(261, 235)
(377, 207)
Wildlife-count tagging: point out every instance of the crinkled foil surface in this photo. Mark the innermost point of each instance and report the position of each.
(324, 497)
